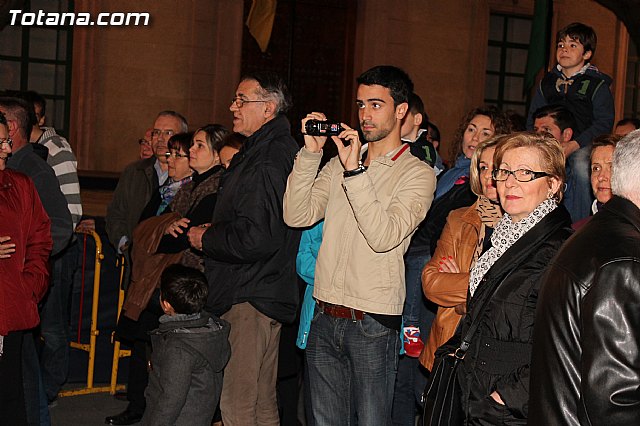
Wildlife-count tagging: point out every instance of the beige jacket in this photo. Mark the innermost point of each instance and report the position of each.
(369, 220)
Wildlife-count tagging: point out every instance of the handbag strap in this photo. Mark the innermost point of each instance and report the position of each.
(466, 341)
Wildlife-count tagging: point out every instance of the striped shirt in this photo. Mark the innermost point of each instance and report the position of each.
(64, 164)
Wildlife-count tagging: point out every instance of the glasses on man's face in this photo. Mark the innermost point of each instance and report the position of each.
(144, 142)
(239, 102)
(8, 141)
(521, 175)
(175, 155)
(166, 133)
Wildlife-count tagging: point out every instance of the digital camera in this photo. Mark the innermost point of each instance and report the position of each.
(323, 128)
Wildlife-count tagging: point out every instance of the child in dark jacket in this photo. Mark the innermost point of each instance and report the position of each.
(578, 85)
(190, 351)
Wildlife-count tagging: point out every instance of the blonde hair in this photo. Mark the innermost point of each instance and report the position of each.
(551, 154)
(474, 171)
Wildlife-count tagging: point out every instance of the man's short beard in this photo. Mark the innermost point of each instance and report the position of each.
(376, 135)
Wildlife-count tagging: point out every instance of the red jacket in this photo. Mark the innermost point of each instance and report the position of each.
(24, 277)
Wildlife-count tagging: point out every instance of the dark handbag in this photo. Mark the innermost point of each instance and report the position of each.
(442, 399)
(442, 396)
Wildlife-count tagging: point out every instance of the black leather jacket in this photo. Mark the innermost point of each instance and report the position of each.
(585, 363)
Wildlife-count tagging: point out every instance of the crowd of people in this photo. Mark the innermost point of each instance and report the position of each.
(521, 259)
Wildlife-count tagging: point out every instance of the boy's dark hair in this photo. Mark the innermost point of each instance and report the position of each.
(184, 288)
(434, 132)
(581, 32)
(635, 122)
(416, 106)
(561, 115)
(273, 87)
(393, 78)
(36, 98)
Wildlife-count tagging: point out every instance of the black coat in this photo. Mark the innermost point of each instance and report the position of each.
(250, 254)
(499, 356)
(585, 367)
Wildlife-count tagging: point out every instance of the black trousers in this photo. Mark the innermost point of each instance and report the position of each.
(12, 409)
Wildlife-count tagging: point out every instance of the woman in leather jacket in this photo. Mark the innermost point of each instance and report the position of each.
(445, 278)
(494, 375)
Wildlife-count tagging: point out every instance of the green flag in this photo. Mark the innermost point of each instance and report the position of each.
(539, 42)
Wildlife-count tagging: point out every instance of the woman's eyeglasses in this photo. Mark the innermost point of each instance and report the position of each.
(521, 175)
(175, 155)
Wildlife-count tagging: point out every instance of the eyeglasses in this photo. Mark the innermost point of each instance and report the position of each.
(239, 102)
(166, 133)
(521, 175)
(143, 142)
(175, 155)
(8, 141)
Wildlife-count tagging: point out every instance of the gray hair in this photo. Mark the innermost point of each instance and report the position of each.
(625, 170)
(184, 126)
(273, 88)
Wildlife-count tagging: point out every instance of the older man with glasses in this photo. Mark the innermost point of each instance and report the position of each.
(135, 187)
(250, 253)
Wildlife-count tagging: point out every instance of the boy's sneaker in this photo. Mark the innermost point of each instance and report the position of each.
(412, 343)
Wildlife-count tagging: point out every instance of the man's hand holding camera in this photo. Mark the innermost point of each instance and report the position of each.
(313, 143)
(349, 154)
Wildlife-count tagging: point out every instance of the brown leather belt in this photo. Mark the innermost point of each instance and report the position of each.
(339, 311)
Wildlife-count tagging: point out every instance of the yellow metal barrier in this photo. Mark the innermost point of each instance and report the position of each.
(117, 352)
(91, 346)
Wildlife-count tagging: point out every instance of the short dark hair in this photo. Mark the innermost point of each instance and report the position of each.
(214, 134)
(3, 119)
(433, 130)
(393, 78)
(635, 122)
(184, 126)
(181, 141)
(184, 288)
(36, 98)
(416, 106)
(561, 115)
(272, 87)
(18, 110)
(582, 33)
(233, 140)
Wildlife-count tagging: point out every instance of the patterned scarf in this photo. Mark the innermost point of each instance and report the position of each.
(489, 213)
(504, 236)
(168, 191)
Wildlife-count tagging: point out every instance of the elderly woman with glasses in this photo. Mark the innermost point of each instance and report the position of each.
(494, 375)
(466, 235)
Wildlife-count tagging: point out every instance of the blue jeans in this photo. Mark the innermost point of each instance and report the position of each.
(579, 196)
(54, 322)
(351, 362)
(419, 312)
(413, 266)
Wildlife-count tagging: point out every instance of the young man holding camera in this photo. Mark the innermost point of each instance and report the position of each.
(372, 200)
